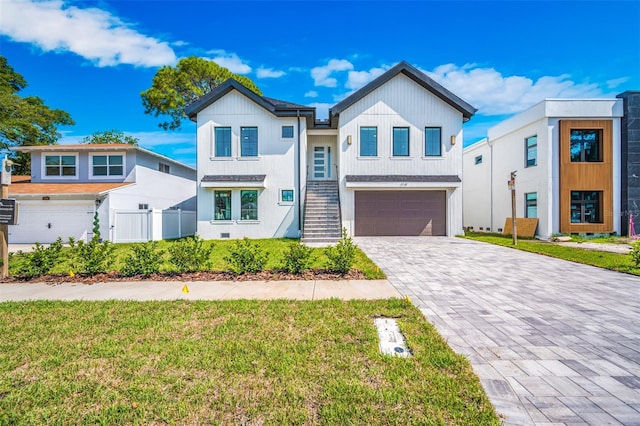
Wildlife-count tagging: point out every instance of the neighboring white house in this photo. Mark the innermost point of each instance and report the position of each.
(388, 160)
(139, 195)
(566, 155)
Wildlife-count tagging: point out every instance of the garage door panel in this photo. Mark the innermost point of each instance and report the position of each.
(45, 223)
(403, 213)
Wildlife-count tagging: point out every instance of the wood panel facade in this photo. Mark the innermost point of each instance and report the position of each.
(587, 176)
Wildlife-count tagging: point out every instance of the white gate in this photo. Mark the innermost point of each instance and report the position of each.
(131, 226)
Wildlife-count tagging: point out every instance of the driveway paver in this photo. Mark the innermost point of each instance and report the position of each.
(553, 342)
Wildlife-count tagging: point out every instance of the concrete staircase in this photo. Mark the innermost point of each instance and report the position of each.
(322, 225)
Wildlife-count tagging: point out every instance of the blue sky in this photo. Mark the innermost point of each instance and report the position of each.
(93, 58)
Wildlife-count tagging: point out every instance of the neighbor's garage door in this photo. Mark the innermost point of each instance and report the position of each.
(388, 213)
(43, 223)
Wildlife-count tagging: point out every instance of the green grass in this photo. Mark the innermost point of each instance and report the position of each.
(602, 259)
(276, 247)
(230, 362)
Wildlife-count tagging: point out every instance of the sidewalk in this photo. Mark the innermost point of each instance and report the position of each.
(201, 290)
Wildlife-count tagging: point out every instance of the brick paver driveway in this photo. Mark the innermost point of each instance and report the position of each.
(552, 341)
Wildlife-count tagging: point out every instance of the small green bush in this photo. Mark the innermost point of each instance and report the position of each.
(93, 257)
(246, 256)
(342, 255)
(42, 259)
(143, 259)
(297, 257)
(635, 253)
(190, 254)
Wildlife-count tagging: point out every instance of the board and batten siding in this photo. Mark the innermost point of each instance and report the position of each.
(401, 102)
(276, 159)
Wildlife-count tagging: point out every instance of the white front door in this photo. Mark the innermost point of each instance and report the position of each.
(321, 166)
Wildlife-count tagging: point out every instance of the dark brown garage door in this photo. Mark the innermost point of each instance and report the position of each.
(400, 213)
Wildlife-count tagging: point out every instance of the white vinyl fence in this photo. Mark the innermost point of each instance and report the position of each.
(133, 226)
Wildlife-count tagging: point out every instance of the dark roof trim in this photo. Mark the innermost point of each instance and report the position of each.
(233, 178)
(403, 178)
(414, 74)
(274, 106)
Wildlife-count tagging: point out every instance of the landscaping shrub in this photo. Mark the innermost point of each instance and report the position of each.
(246, 256)
(42, 259)
(93, 257)
(143, 259)
(190, 254)
(297, 257)
(342, 255)
(635, 253)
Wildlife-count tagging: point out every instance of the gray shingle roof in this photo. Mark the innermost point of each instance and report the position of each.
(403, 178)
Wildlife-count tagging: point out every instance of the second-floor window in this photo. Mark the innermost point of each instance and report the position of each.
(586, 145)
(400, 141)
(222, 142)
(107, 165)
(287, 132)
(164, 168)
(531, 151)
(432, 142)
(60, 165)
(248, 141)
(368, 141)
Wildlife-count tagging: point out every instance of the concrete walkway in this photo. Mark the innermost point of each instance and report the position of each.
(200, 290)
(553, 342)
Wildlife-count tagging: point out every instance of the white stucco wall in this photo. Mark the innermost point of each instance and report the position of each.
(476, 194)
(277, 159)
(402, 103)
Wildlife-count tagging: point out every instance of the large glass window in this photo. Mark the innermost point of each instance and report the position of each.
(433, 141)
(222, 205)
(249, 142)
(223, 142)
(531, 204)
(60, 165)
(400, 141)
(586, 145)
(531, 148)
(585, 206)
(249, 205)
(107, 165)
(368, 141)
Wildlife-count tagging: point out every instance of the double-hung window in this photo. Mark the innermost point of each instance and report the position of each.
(368, 141)
(222, 142)
(60, 165)
(531, 151)
(249, 205)
(222, 201)
(400, 141)
(433, 142)
(248, 141)
(107, 165)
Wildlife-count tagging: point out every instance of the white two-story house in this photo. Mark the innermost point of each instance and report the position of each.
(388, 161)
(139, 195)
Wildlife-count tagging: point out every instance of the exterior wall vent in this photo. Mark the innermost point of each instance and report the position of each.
(224, 235)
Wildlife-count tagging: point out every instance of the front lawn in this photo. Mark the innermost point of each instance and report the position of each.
(230, 362)
(602, 259)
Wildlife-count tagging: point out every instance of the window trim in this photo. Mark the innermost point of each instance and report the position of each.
(43, 165)
(360, 155)
(526, 151)
(582, 202)
(527, 202)
(601, 136)
(215, 192)
(214, 150)
(293, 132)
(393, 142)
(427, 155)
(251, 219)
(257, 142)
(281, 199)
(107, 154)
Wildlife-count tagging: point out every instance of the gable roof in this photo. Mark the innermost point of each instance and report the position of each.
(274, 106)
(414, 74)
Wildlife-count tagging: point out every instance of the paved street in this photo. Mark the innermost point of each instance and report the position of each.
(553, 342)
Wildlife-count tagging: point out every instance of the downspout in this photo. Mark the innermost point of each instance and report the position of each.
(299, 178)
(491, 183)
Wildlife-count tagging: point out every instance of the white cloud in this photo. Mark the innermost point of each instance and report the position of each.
(311, 94)
(322, 75)
(322, 110)
(495, 94)
(92, 33)
(231, 61)
(357, 79)
(612, 84)
(269, 73)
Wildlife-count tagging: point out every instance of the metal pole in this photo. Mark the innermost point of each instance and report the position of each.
(4, 237)
(514, 230)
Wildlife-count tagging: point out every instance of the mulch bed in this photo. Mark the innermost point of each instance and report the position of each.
(188, 276)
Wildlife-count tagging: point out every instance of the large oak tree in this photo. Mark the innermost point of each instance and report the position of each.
(25, 121)
(176, 87)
